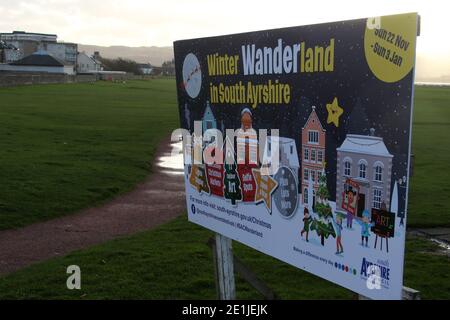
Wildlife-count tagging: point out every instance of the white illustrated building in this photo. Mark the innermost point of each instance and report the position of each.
(367, 162)
(287, 153)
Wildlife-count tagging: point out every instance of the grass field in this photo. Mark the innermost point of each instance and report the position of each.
(429, 203)
(66, 147)
(174, 262)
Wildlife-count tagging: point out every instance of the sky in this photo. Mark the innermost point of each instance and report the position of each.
(160, 22)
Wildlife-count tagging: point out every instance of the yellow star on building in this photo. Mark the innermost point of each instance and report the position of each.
(334, 112)
(265, 186)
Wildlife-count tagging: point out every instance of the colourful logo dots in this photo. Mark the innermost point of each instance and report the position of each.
(345, 268)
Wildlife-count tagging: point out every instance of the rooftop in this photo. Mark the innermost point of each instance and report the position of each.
(365, 145)
(39, 58)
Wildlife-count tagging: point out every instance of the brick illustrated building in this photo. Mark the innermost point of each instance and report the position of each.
(313, 155)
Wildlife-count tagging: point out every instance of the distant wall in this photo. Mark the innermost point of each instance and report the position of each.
(8, 79)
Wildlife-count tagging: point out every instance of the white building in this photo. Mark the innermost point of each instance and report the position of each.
(63, 51)
(27, 43)
(366, 161)
(146, 68)
(88, 64)
(39, 61)
(287, 153)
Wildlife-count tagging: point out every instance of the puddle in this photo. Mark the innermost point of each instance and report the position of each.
(441, 244)
(172, 164)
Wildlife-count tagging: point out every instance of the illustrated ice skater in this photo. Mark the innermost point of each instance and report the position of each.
(307, 219)
(337, 224)
(365, 227)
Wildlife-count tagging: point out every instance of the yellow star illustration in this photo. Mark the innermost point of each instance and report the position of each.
(265, 186)
(334, 112)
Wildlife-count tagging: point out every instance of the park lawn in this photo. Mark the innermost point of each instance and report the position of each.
(70, 146)
(174, 262)
(66, 147)
(429, 204)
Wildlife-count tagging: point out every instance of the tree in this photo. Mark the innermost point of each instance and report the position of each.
(120, 64)
(323, 225)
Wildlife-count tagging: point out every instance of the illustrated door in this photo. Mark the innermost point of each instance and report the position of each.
(361, 204)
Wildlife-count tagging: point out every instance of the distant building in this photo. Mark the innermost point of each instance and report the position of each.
(39, 61)
(367, 163)
(88, 64)
(146, 68)
(168, 68)
(313, 155)
(63, 51)
(27, 43)
(8, 52)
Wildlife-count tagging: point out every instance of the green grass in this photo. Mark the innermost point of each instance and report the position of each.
(174, 262)
(429, 204)
(69, 146)
(66, 147)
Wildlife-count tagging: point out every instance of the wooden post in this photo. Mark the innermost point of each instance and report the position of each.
(224, 267)
(243, 271)
(407, 294)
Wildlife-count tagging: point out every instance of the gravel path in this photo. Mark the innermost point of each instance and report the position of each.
(155, 201)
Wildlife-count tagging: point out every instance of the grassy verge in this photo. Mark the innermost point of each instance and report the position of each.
(174, 262)
(70, 146)
(428, 198)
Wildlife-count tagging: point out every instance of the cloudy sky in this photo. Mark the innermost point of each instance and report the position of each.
(160, 22)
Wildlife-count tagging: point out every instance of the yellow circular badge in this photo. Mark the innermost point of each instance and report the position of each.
(390, 44)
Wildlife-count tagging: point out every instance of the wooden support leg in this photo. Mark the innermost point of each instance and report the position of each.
(223, 256)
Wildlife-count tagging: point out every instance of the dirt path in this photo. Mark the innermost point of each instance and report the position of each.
(157, 200)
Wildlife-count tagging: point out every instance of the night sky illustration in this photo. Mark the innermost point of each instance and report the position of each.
(367, 101)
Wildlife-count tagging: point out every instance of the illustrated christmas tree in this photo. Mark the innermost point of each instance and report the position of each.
(323, 225)
(231, 182)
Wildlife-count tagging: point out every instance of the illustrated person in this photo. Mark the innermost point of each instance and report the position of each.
(337, 224)
(365, 227)
(349, 220)
(351, 200)
(307, 219)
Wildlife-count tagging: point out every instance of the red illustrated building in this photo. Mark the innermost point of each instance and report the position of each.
(313, 156)
(247, 156)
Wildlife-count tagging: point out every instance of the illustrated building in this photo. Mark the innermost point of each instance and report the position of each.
(247, 143)
(287, 153)
(313, 156)
(247, 155)
(208, 120)
(366, 161)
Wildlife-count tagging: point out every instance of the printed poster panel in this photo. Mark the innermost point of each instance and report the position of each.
(340, 95)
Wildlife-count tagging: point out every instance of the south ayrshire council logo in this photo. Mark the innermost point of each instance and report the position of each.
(192, 75)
